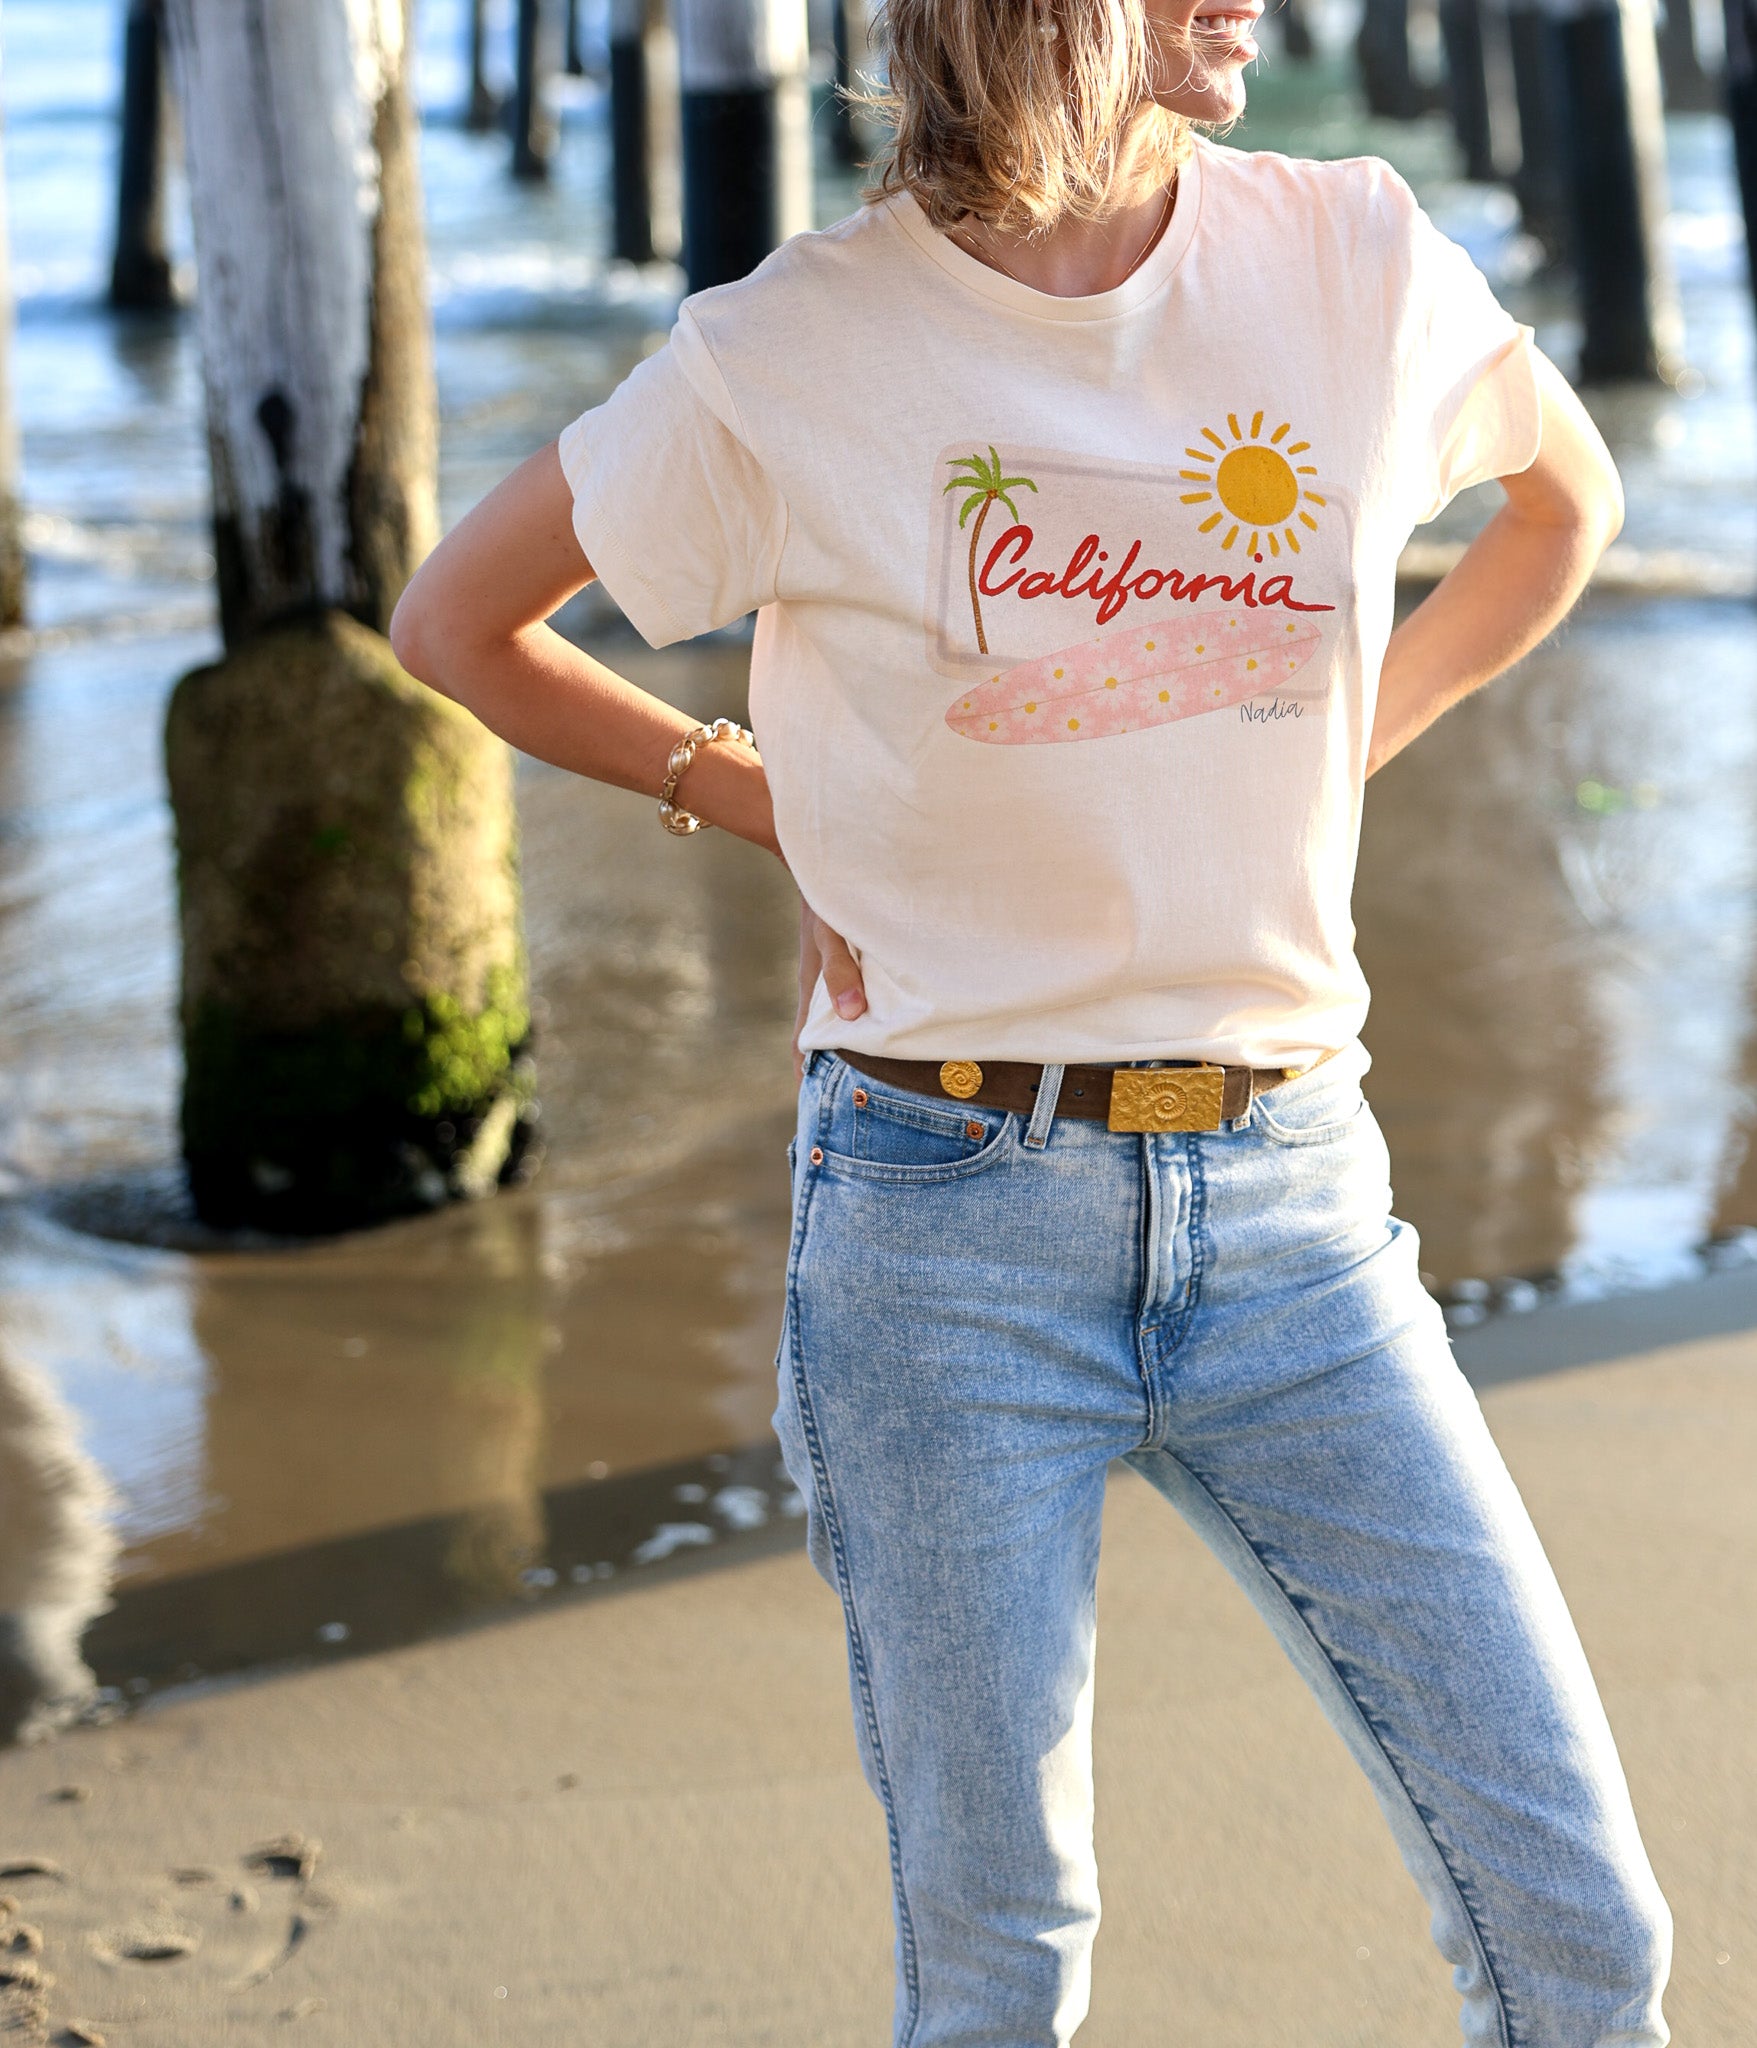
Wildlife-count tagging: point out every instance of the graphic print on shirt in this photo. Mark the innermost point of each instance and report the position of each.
(1037, 548)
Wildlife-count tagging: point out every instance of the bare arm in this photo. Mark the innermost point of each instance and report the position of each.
(1517, 580)
(472, 625)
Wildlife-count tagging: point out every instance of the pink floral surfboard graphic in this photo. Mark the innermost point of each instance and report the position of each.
(1137, 677)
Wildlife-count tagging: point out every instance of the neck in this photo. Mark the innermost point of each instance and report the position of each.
(1077, 259)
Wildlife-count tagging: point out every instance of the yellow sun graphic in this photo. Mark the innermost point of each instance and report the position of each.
(1259, 485)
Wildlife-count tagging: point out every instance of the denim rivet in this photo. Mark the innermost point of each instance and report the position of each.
(817, 1155)
(861, 1098)
(975, 1130)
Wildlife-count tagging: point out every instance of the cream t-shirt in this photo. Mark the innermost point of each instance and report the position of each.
(1070, 612)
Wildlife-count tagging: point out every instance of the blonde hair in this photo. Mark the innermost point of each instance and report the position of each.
(995, 119)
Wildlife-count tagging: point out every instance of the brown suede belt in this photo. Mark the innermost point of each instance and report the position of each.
(1172, 1097)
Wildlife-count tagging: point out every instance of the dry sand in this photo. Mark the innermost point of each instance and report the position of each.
(640, 1820)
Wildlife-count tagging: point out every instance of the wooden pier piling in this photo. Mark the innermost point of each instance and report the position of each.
(1614, 152)
(1479, 88)
(482, 110)
(353, 979)
(1541, 182)
(643, 132)
(1741, 94)
(12, 573)
(746, 132)
(534, 127)
(140, 274)
(1381, 49)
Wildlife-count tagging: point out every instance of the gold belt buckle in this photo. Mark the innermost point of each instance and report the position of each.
(1167, 1098)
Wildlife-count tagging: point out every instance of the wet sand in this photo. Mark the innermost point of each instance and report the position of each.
(641, 1819)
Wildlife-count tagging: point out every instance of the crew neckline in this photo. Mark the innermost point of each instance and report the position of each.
(1168, 252)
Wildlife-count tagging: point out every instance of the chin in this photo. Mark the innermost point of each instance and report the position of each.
(1220, 98)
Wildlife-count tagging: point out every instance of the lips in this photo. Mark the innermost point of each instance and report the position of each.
(1227, 29)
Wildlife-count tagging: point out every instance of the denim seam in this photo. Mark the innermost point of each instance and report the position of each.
(1181, 1318)
(1171, 1331)
(808, 1425)
(1460, 1891)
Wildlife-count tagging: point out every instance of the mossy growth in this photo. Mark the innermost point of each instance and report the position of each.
(355, 1011)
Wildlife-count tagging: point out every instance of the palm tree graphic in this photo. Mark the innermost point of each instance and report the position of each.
(983, 486)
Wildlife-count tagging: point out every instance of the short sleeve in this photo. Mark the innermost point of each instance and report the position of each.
(1470, 393)
(674, 512)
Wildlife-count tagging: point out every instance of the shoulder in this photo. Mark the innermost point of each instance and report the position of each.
(1357, 203)
(809, 274)
(789, 317)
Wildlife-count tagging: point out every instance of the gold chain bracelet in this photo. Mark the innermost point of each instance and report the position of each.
(672, 815)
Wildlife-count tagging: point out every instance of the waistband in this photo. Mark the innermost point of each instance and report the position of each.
(1169, 1096)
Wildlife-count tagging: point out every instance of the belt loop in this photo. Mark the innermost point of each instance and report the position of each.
(1049, 1093)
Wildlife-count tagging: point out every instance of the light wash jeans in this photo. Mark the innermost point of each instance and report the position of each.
(981, 1315)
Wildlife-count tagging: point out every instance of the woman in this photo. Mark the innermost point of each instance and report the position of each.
(1067, 480)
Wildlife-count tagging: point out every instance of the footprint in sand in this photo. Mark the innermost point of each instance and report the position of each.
(161, 1943)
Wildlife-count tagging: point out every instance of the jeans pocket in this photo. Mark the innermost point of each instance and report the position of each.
(880, 1133)
(1324, 1103)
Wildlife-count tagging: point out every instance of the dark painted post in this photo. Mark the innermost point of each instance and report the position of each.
(1381, 50)
(574, 62)
(11, 507)
(1688, 88)
(746, 133)
(641, 89)
(1741, 95)
(140, 276)
(1296, 32)
(483, 110)
(1541, 183)
(842, 139)
(533, 118)
(851, 137)
(1477, 87)
(1615, 152)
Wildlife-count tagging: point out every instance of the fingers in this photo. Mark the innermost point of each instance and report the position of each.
(824, 955)
(841, 973)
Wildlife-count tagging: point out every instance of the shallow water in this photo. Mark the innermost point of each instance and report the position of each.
(327, 1447)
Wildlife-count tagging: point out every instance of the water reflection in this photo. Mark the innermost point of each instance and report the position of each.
(529, 1397)
(1555, 910)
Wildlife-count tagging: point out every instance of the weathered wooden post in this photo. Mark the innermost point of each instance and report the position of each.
(534, 130)
(643, 132)
(1614, 148)
(140, 276)
(1741, 95)
(11, 507)
(746, 133)
(354, 995)
(483, 109)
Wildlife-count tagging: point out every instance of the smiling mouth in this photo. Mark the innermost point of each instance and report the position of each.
(1228, 27)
